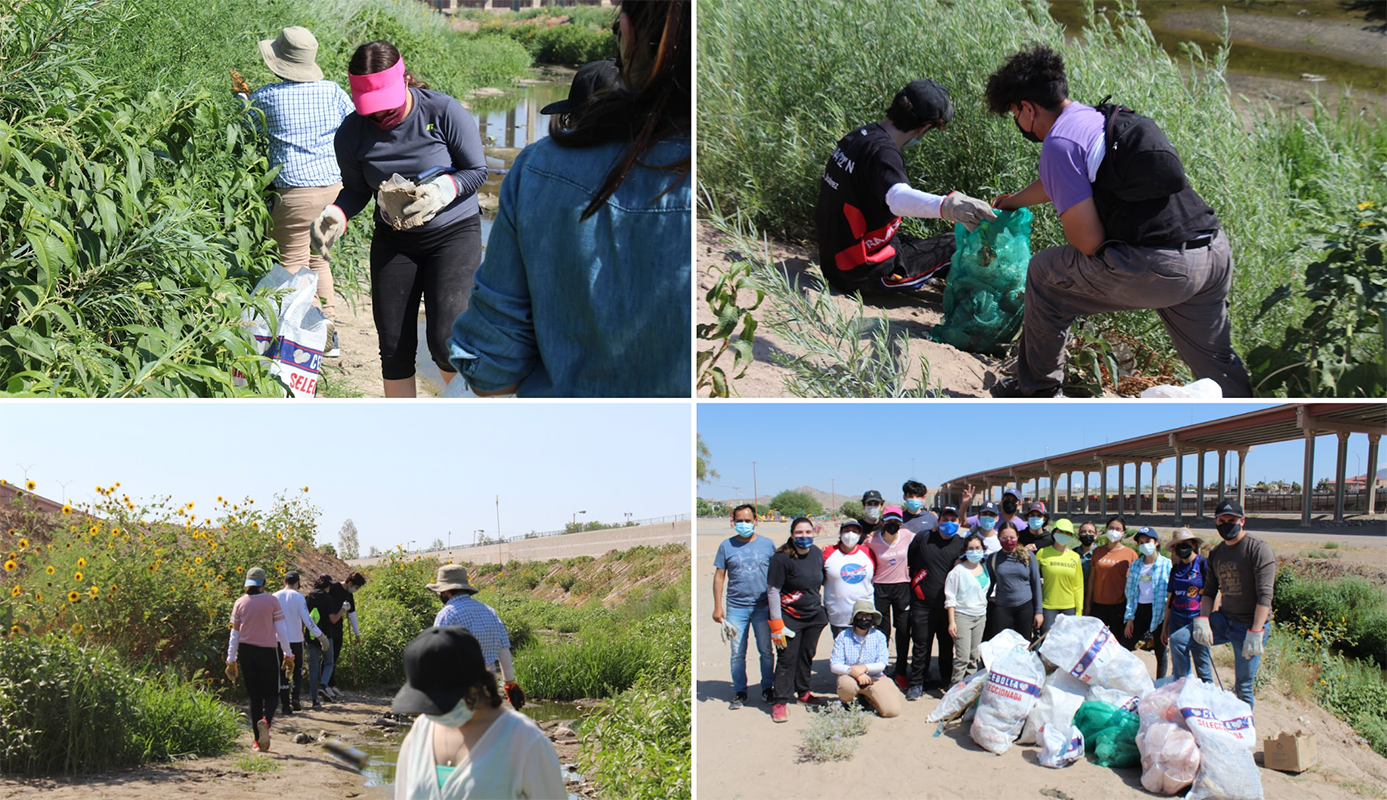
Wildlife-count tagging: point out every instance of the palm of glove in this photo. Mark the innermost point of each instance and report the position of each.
(327, 229)
(429, 199)
(968, 211)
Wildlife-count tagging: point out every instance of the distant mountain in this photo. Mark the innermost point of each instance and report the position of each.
(828, 499)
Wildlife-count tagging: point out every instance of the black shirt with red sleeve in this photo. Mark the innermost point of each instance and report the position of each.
(856, 228)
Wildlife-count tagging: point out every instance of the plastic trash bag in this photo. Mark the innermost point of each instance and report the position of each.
(984, 293)
(1059, 699)
(1169, 757)
(1060, 745)
(295, 349)
(1212, 713)
(1006, 639)
(1013, 685)
(959, 697)
(1227, 771)
(1110, 734)
(1086, 649)
(1202, 389)
(1122, 699)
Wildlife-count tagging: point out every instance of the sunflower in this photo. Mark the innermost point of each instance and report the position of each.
(113, 587)
(77, 576)
(76, 627)
(255, 525)
(38, 597)
(10, 566)
(92, 592)
(197, 560)
(73, 597)
(23, 544)
(14, 630)
(16, 592)
(81, 563)
(67, 509)
(153, 567)
(305, 488)
(30, 485)
(240, 570)
(50, 569)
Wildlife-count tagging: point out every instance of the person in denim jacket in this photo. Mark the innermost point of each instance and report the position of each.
(584, 290)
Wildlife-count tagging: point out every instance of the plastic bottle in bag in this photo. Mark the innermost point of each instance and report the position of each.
(987, 278)
(959, 697)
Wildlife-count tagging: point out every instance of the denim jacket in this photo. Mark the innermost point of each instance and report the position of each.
(598, 308)
(1160, 577)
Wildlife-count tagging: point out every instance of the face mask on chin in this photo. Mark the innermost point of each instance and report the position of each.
(453, 719)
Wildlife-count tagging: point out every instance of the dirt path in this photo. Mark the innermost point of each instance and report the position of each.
(742, 754)
(1346, 39)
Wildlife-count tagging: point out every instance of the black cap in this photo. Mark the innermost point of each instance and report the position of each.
(441, 664)
(928, 101)
(849, 523)
(591, 78)
(990, 508)
(1228, 506)
(292, 576)
(870, 495)
(1038, 506)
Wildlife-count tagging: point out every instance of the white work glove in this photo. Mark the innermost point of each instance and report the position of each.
(347, 606)
(729, 632)
(967, 211)
(327, 229)
(392, 197)
(324, 642)
(429, 199)
(1254, 643)
(1201, 633)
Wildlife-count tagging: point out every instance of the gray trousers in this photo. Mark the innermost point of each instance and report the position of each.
(1187, 288)
(966, 657)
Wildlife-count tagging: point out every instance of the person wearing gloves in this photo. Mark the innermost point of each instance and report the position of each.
(859, 660)
(872, 505)
(1242, 571)
(258, 638)
(1106, 592)
(427, 241)
(740, 602)
(454, 586)
(1015, 596)
(965, 597)
(1061, 575)
(915, 517)
(464, 744)
(326, 610)
(797, 615)
(849, 567)
(890, 546)
(864, 192)
(931, 557)
(1147, 580)
(1186, 589)
(297, 617)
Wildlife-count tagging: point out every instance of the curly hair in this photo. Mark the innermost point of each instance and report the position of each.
(1036, 75)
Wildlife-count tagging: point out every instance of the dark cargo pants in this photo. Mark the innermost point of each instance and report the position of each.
(1187, 288)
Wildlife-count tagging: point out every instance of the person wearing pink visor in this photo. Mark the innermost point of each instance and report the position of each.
(427, 241)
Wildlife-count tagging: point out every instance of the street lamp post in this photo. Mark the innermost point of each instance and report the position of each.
(628, 517)
(575, 519)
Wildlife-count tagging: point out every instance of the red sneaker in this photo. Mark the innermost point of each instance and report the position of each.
(902, 682)
(809, 700)
(779, 713)
(262, 735)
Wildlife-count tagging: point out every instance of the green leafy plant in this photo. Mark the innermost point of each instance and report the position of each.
(1090, 361)
(794, 504)
(722, 300)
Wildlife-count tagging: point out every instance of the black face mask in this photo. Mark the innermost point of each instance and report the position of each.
(862, 623)
(1027, 135)
(1009, 506)
(1229, 530)
(1087, 539)
(891, 527)
(1184, 550)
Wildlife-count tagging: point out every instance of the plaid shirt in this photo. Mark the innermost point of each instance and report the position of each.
(301, 120)
(481, 620)
(850, 650)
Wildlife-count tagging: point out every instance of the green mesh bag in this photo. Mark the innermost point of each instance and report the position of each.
(982, 299)
(1110, 734)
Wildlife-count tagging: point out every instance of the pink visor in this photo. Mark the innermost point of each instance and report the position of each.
(379, 91)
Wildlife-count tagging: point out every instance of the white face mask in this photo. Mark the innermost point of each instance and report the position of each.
(453, 719)
(1114, 535)
(1147, 548)
(873, 513)
(850, 540)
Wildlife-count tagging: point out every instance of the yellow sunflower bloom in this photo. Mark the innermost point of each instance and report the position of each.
(67, 509)
(81, 563)
(30, 485)
(73, 597)
(38, 597)
(77, 576)
(23, 544)
(240, 570)
(197, 560)
(1365, 205)
(76, 627)
(11, 566)
(16, 592)
(50, 569)
(92, 592)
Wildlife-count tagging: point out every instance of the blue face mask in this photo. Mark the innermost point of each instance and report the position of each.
(1064, 539)
(744, 529)
(1036, 522)
(987, 523)
(1147, 548)
(947, 529)
(804, 542)
(974, 555)
(912, 505)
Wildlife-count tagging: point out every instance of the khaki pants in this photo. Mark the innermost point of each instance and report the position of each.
(294, 210)
(970, 628)
(881, 694)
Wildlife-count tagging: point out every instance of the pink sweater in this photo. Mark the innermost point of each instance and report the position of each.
(257, 615)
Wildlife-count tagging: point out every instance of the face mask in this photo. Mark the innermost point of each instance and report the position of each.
(1114, 536)
(1229, 530)
(1009, 506)
(873, 513)
(453, 719)
(1064, 539)
(1184, 550)
(1036, 522)
(987, 523)
(913, 505)
(892, 528)
(850, 540)
(804, 542)
(974, 556)
(1027, 135)
(745, 529)
(862, 623)
(1009, 545)
(1087, 538)
(947, 529)
(391, 120)
(1147, 548)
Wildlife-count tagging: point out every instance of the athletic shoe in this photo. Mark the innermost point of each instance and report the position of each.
(262, 735)
(333, 351)
(779, 713)
(297, 706)
(255, 746)
(323, 694)
(898, 282)
(767, 696)
(737, 702)
(902, 682)
(810, 700)
(1010, 388)
(317, 706)
(914, 693)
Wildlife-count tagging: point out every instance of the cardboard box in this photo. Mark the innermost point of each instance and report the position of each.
(1290, 752)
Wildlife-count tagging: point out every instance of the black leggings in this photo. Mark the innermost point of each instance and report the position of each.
(1141, 624)
(893, 601)
(795, 664)
(436, 265)
(260, 671)
(1019, 618)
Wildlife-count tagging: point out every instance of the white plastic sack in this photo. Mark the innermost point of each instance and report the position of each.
(1118, 697)
(1227, 771)
(1002, 642)
(1086, 649)
(1212, 714)
(1060, 746)
(1059, 702)
(959, 697)
(295, 350)
(1013, 685)
(1169, 757)
(1202, 389)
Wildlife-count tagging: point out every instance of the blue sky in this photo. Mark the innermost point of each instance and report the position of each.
(852, 447)
(399, 471)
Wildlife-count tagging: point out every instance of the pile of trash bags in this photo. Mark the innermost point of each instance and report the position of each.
(987, 280)
(1081, 692)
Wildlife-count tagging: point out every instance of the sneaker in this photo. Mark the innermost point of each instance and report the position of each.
(1009, 387)
(323, 694)
(255, 746)
(262, 735)
(317, 706)
(779, 713)
(809, 700)
(332, 351)
(737, 701)
(914, 693)
(297, 706)
(902, 682)
(767, 696)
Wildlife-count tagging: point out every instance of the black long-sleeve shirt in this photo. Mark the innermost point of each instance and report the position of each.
(936, 555)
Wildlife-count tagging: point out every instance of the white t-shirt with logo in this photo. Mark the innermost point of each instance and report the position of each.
(847, 579)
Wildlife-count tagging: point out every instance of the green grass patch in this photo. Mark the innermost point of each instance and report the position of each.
(1331, 545)
(256, 765)
(1357, 605)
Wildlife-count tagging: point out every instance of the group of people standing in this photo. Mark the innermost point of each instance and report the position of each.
(938, 581)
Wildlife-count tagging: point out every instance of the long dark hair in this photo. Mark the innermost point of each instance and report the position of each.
(654, 101)
(378, 56)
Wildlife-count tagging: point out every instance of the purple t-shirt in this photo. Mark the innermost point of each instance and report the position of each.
(1064, 156)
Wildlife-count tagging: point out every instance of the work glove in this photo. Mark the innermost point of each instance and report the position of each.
(778, 633)
(967, 211)
(327, 229)
(324, 642)
(1254, 644)
(392, 197)
(515, 695)
(429, 199)
(233, 671)
(729, 632)
(347, 607)
(1201, 633)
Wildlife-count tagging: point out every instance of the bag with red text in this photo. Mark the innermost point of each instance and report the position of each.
(295, 347)
(1013, 685)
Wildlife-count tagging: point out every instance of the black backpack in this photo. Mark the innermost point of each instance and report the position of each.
(1139, 162)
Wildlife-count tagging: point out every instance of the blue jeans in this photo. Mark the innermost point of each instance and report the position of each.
(1225, 631)
(747, 621)
(1180, 658)
(317, 654)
